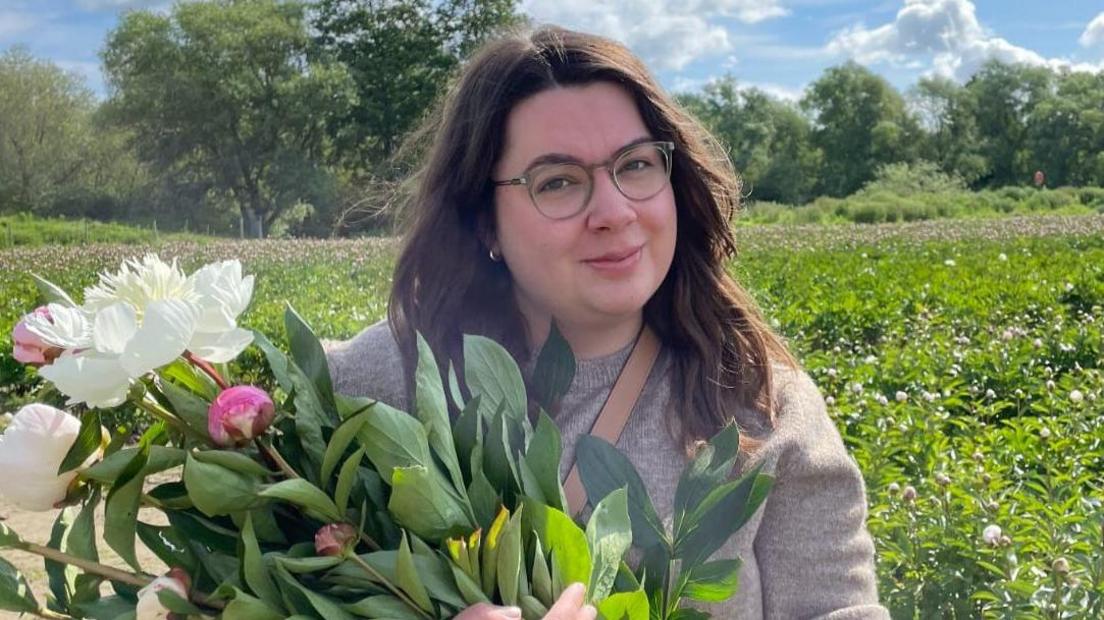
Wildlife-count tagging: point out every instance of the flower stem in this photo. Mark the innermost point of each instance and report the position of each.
(160, 413)
(88, 566)
(207, 369)
(274, 456)
(387, 584)
(42, 612)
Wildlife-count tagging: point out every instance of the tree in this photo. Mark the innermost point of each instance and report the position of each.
(1006, 95)
(1064, 134)
(230, 93)
(767, 139)
(45, 133)
(401, 54)
(859, 122)
(947, 115)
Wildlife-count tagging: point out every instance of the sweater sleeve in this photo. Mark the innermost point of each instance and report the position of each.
(815, 556)
(368, 364)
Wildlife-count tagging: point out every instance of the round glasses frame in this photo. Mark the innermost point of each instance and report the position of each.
(611, 168)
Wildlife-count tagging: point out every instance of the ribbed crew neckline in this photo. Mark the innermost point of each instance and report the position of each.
(597, 372)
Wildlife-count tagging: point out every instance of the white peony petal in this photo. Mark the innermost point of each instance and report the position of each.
(220, 347)
(167, 327)
(222, 285)
(66, 327)
(114, 327)
(89, 377)
(31, 450)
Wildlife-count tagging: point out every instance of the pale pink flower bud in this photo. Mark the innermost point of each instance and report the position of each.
(1060, 566)
(149, 605)
(29, 347)
(239, 414)
(992, 535)
(335, 539)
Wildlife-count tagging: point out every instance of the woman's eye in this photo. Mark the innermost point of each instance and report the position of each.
(555, 184)
(635, 165)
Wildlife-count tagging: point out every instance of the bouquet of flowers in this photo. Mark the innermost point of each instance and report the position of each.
(300, 502)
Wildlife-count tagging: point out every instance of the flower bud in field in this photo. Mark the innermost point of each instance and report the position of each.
(1005, 541)
(1076, 396)
(239, 414)
(1060, 566)
(909, 494)
(31, 451)
(978, 457)
(894, 488)
(942, 479)
(150, 606)
(29, 347)
(1044, 433)
(335, 539)
(991, 535)
(900, 396)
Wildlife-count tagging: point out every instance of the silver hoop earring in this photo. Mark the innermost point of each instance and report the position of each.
(494, 257)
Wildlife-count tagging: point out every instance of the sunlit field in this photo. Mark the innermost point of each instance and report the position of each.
(961, 361)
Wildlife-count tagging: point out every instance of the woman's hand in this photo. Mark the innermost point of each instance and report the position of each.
(570, 606)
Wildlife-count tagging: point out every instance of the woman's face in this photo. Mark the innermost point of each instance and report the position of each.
(595, 269)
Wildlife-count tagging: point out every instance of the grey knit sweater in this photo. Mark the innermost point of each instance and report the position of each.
(806, 553)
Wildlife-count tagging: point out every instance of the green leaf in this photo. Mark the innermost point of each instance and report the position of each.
(187, 379)
(609, 536)
(302, 493)
(564, 541)
(543, 458)
(498, 462)
(469, 589)
(325, 606)
(432, 409)
(454, 387)
(88, 441)
(711, 467)
(406, 576)
(420, 504)
(604, 469)
(106, 608)
(175, 603)
(383, 606)
(254, 569)
(482, 494)
(309, 356)
(308, 565)
(169, 545)
(394, 439)
(188, 407)
(713, 581)
(216, 490)
(467, 432)
(234, 461)
(434, 573)
(8, 537)
(345, 480)
(246, 607)
(160, 458)
(121, 509)
(59, 579)
(52, 293)
(81, 540)
(718, 517)
(15, 594)
(624, 606)
(340, 440)
(541, 577)
(555, 369)
(509, 559)
(493, 374)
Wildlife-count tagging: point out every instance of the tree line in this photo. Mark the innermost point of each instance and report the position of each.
(264, 117)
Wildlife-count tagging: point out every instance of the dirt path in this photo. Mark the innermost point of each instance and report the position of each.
(35, 527)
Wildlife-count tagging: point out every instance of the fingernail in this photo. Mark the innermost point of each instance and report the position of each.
(511, 612)
(590, 611)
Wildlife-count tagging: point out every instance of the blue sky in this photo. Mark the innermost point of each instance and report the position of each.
(778, 45)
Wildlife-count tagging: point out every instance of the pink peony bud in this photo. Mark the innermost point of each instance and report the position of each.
(335, 539)
(29, 347)
(149, 604)
(239, 414)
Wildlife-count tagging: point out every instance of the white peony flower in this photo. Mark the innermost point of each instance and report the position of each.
(62, 326)
(143, 317)
(31, 450)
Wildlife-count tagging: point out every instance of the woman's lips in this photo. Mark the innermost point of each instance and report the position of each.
(615, 262)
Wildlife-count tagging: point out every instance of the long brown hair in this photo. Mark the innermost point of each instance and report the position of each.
(445, 284)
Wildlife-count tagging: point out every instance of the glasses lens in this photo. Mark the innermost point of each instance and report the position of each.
(642, 171)
(560, 190)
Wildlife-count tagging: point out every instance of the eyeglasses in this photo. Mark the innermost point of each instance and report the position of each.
(562, 190)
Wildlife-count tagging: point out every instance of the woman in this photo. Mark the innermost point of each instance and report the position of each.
(563, 185)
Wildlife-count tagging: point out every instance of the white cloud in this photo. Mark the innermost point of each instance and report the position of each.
(1094, 32)
(667, 34)
(943, 35)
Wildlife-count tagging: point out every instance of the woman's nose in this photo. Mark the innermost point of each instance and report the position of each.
(608, 207)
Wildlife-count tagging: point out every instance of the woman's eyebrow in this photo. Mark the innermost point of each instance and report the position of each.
(562, 158)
